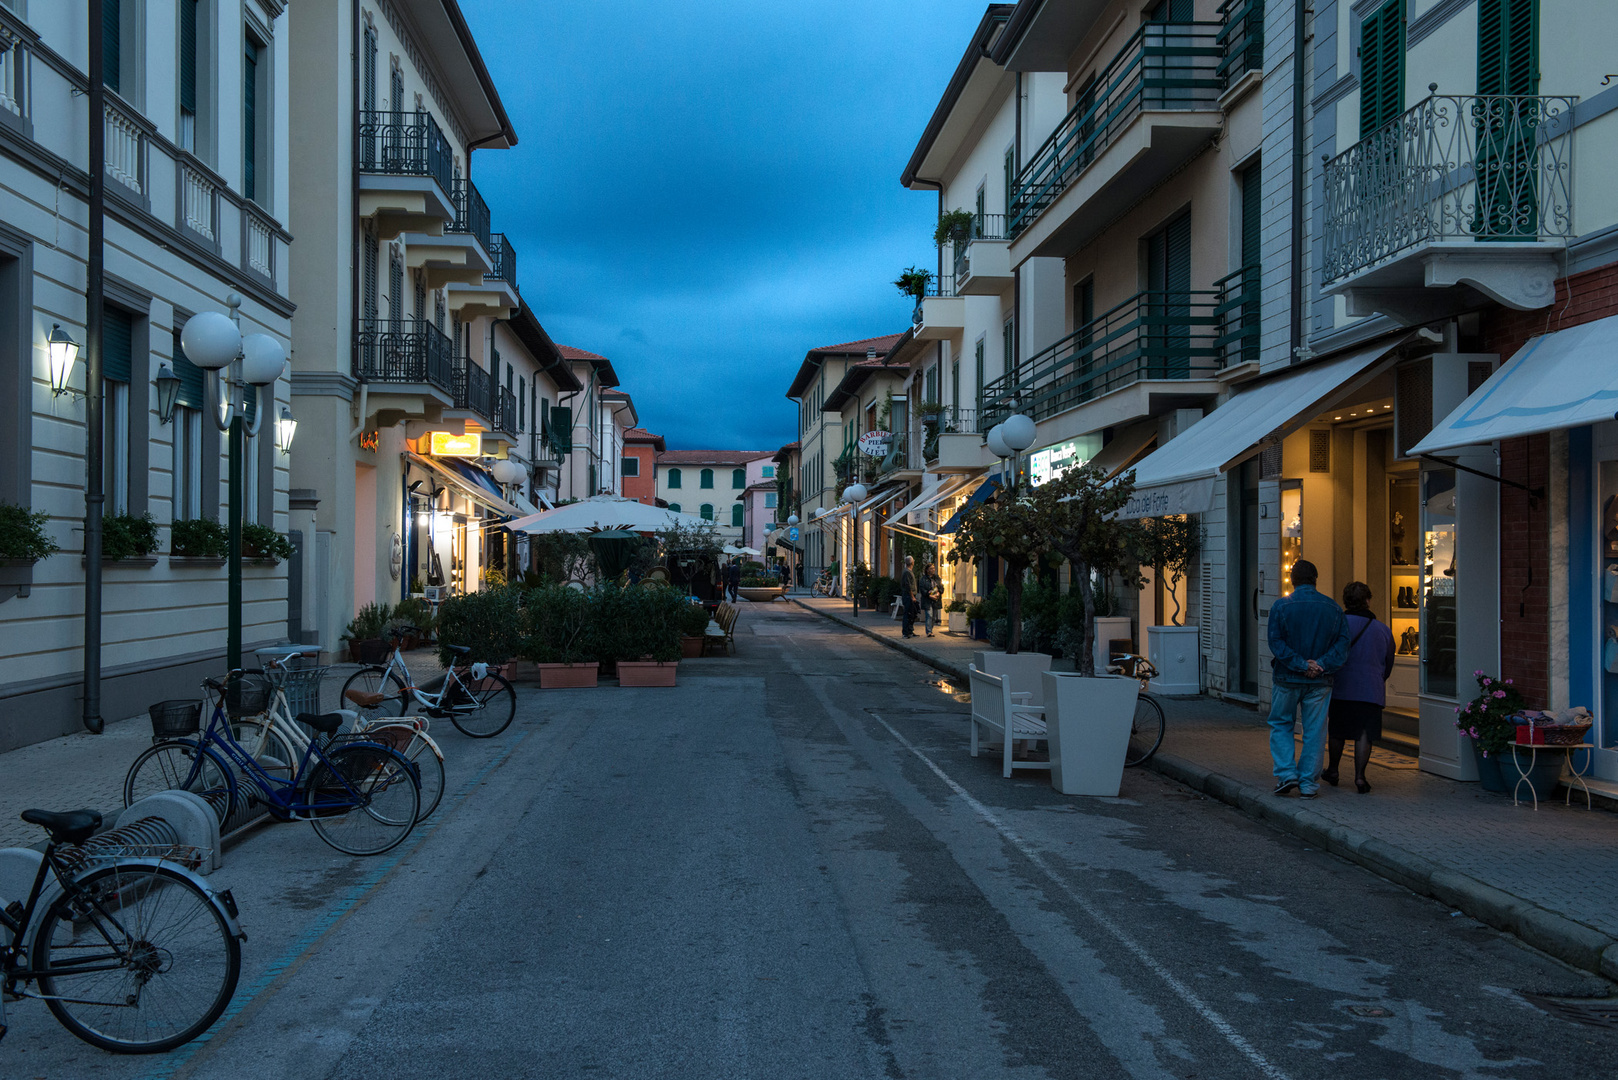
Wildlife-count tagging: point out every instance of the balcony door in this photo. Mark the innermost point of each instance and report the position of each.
(1169, 65)
(1506, 119)
(1167, 309)
(1382, 66)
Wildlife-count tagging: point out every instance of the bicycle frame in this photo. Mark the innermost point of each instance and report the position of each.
(433, 702)
(280, 720)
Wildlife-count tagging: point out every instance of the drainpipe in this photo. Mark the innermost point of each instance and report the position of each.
(1299, 150)
(94, 495)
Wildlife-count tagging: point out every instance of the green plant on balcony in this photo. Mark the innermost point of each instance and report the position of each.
(23, 535)
(955, 225)
(914, 282)
(125, 536)
(198, 538)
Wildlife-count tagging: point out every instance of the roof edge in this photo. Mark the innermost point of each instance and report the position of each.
(453, 9)
(978, 49)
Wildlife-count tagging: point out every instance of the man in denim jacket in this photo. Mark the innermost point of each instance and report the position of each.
(1308, 643)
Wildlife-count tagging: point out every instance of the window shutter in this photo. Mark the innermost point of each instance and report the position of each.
(738, 478)
(188, 55)
(1508, 47)
(1252, 217)
(396, 91)
(562, 428)
(111, 54)
(369, 89)
(736, 515)
(1382, 58)
(192, 384)
(522, 402)
(250, 122)
(117, 344)
(395, 283)
(369, 245)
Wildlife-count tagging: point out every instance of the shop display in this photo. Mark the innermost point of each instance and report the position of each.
(1404, 577)
(1609, 525)
(1437, 588)
(1291, 531)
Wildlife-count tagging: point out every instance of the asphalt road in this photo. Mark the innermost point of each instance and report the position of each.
(790, 866)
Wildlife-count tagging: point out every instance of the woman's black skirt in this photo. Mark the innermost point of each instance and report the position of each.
(1348, 720)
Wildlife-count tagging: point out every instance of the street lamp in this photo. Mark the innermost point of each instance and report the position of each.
(214, 342)
(854, 494)
(285, 429)
(63, 351)
(168, 393)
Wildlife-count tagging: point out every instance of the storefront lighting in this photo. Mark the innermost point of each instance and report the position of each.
(63, 352)
(285, 429)
(168, 393)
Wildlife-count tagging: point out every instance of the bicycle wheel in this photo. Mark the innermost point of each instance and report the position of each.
(420, 751)
(375, 680)
(366, 798)
(1147, 733)
(136, 959)
(182, 765)
(482, 709)
(268, 746)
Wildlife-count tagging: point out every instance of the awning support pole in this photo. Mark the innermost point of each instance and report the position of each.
(1533, 493)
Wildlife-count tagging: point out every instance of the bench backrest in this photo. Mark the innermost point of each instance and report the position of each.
(726, 617)
(991, 698)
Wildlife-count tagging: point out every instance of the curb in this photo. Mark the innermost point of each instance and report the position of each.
(1566, 939)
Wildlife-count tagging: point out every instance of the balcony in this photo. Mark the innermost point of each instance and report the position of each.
(1153, 108)
(1237, 312)
(474, 391)
(951, 443)
(904, 460)
(506, 412)
(406, 172)
(411, 355)
(982, 263)
(504, 258)
(1463, 199)
(1241, 37)
(941, 313)
(1163, 347)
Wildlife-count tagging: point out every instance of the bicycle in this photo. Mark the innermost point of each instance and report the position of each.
(478, 702)
(131, 951)
(361, 797)
(825, 585)
(276, 740)
(1146, 734)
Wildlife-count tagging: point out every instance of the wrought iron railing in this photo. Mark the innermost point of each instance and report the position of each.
(471, 212)
(505, 259)
(1238, 315)
(505, 418)
(1152, 335)
(1455, 168)
(1164, 66)
(939, 285)
(1241, 37)
(474, 390)
(404, 351)
(984, 227)
(405, 144)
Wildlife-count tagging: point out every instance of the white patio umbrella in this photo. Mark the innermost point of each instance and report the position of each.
(603, 513)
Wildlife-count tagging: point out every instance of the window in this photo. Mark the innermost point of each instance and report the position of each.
(674, 478)
(188, 75)
(1508, 47)
(1008, 346)
(979, 356)
(1382, 66)
(769, 472)
(738, 478)
(522, 403)
(1168, 277)
(769, 500)
(396, 90)
(112, 53)
(252, 136)
(707, 478)
(368, 89)
(1011, 179)
(707, 511)
(187, 478)
(737, 519)
(674, 507)
(631, 466)
(929, 383)
(372, 255)
(117, 347)
(395, 282)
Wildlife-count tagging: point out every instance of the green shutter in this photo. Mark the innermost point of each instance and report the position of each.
(562, 429)
(1252, 216)
(1508, 47)
(117, 344)
(1382, 66)
(192, 384)
(188, 55)
(250, 124)
(736, 515)
(111, 56)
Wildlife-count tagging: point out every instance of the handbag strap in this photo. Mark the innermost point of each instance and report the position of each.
(1355, 640)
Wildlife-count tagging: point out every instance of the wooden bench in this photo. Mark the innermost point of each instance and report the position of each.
(994, 706)
(722, 631)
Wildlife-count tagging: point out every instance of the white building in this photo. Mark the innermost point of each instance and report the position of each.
(714, 485)
(198, 182)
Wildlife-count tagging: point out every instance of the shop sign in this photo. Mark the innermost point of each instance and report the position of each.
(370, 440)
(1047, 464)
(448, 444)
(876, 443)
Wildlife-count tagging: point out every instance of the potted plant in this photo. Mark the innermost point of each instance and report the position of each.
(557, 637)
(1170, 545)
(914, 282)
(198, 538)
(23, 539)
(650, 640)
(956, 610)
(693, 630)
(1489, 720)
(417, 614)
(954, 225)
(366, 644)
(977, 626)
(263, 542)
(487, 622)
(125, 536)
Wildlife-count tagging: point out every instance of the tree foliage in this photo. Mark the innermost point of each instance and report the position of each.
(1083, 507)
(1016, 527)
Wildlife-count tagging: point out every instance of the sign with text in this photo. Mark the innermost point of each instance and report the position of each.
(876, 443)
(1047, 464)
(448, 444)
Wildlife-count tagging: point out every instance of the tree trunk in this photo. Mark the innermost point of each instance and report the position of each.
(1085, 662)
(1174, 585)
(1013, 608)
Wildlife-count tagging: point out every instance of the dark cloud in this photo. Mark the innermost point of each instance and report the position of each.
(704, 191)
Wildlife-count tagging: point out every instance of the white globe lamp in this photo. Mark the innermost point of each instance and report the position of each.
(263, 359)
(506, 471)
(820, 511)
(997, 441)
(210, 340)
(854, 493)
(792, 519)
(1017, 432)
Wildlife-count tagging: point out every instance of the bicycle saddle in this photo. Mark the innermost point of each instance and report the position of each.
(67, 826)
(459, 650)
(326, 723)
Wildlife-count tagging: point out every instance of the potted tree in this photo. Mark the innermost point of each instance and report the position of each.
(954, 226)
(914, 281)
(956, 611)
(650, 638)
(693, 631)
(1169, 545)
(366, 644)
(557, 637)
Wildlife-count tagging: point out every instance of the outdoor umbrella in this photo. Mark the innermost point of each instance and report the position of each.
(604, 513)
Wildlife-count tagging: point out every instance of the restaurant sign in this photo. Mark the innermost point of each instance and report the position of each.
(448, 444)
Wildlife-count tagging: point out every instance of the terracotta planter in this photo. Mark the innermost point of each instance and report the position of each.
(691, 648)
(647, 672)
(567, 676)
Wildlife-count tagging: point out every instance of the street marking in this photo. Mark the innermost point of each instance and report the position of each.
(1184, 992)
(304, 946)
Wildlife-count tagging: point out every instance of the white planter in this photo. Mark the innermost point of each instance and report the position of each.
(1111, 628)
(957, 621)
(1087, 728)
(1176, 653)
(1024, 670)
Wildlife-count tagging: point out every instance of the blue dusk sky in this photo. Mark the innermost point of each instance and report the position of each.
(703, 190)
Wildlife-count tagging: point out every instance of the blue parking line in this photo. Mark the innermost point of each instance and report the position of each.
(317, 929)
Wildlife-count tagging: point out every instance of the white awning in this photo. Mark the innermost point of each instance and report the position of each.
(1556, 381)
(1125, 449)
(877, 502)
(933, 492)
(472, 491)
(1178, 478)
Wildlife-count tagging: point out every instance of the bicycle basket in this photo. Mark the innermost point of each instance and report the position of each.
(175, 719)
(302, 689)
(248, 695)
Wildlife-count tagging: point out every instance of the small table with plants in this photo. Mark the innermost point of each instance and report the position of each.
(1525, 756)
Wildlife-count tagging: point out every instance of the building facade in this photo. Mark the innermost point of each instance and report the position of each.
(638, 469)
(713, 485)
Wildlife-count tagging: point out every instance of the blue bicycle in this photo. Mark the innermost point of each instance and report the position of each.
(361, 797)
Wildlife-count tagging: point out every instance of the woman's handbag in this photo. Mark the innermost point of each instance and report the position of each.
(1609, 584)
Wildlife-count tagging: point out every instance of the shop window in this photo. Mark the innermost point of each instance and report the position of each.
(1291, 530)
(707, 478)
(1437, 561)
(1404, 570)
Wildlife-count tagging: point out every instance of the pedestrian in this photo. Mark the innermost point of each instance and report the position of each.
(1308, 643)
(1359, 692)
(932, 597)
(907, 596)
(733, 579)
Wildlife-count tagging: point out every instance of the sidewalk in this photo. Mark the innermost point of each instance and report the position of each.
(1549, 876)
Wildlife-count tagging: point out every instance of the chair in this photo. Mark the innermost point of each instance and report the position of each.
(994, 706)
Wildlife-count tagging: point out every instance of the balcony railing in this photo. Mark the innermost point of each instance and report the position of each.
(1165, 66)
(471, 212)
(474, 390)
(404, 351)
(984, 227)
(940, 285)
(1238, 314)
(405, 144)
(505, 259)
(199, 199)
(506, 415)
(1453, 168)
(1152, 335)
(1242, 38)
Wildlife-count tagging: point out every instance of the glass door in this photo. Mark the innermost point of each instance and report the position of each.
(1438, 582)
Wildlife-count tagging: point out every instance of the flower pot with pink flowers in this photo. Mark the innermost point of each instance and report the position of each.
(1489, 720)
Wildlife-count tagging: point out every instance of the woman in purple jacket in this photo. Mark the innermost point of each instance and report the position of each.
(1357, 694)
